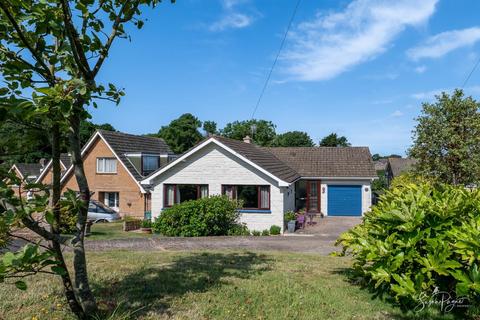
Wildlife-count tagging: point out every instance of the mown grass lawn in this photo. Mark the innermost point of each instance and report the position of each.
(113, 230)
(206, 285)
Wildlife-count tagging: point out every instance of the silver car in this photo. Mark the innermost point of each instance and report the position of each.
(98, 212)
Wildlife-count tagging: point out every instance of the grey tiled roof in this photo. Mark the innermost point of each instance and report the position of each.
(66, 159)
(29, 169)
(261, 157)
(380, 164)
(352, 162)
(123, 143)
(400, 165)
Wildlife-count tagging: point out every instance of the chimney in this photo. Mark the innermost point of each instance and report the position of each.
(43, 162)
(247, 139)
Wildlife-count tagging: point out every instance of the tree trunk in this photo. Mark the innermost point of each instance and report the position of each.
(82, 286)
(55, 245)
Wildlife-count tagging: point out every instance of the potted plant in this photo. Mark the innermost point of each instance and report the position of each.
(290, 220)
(146, 226)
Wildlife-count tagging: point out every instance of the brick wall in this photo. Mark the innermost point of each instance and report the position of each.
(131, 199)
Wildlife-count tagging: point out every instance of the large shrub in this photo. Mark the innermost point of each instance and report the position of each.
(419, 238)
(213, 216)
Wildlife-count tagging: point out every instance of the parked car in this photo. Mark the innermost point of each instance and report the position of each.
(98, 212)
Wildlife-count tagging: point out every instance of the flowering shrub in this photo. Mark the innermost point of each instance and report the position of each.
(419, 238)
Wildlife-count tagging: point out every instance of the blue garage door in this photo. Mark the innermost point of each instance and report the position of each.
(344, 200)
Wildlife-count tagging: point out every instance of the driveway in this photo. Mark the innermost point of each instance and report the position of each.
(319, 238)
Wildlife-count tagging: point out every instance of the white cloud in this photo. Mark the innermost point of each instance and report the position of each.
(335, 42)
(428, 95)
(231, 18)
(397, 113)
(420, 69)
(442, 43)
(473, 90)
(232, 3)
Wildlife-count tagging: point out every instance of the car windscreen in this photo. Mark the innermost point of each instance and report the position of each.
(101, 208)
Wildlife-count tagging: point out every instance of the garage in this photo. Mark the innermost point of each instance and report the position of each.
(344, 200)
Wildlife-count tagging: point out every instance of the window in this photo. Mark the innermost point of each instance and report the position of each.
(106, 165)
(177, 193)
(110, 199)
(252, 197)
(150, 164)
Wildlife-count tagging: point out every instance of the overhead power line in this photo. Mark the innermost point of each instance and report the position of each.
(276, 58)
(471, 72)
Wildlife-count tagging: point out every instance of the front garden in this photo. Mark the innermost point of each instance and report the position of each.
(206, 285)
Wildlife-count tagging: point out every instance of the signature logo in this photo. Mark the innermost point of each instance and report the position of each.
(443, 300)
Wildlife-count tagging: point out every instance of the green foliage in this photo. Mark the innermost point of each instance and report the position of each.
(213, 216)
(239, 230)
(256, 233)
(30, 260)
(416, 239)
(408, 178)
(261, 131)
(87, 129)
(289, 216)
(333, 140)
(293, 139)
(447, 139)
(376, 156)
(146, 223)
(380, 184)
(275, 230)
(182, 133)
(210, 127)
(265, 232)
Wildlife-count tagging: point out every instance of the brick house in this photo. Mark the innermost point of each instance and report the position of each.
(114, 164)
(28, 172)
(45, 176)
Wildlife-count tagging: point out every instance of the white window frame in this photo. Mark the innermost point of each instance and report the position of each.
(116, 201)
(103, 161)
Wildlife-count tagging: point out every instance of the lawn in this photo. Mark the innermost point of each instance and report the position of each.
(113, 230)
(206, 285)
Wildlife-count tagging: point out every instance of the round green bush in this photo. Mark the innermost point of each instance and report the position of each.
(213, 216)
(275, 230)
(418, 239)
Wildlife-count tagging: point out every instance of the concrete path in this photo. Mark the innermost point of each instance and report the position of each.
(314, 239)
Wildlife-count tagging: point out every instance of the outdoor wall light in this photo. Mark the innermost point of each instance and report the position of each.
(323, 189)
(366, 189)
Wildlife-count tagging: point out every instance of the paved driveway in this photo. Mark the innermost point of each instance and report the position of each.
(315, 239)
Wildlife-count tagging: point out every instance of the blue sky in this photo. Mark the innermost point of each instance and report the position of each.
(360, 68)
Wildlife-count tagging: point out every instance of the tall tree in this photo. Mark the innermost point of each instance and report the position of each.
(210, 127)
(446, 139)
(182, 133)
(293, 139)
(333, 140)
(261, 131)
(50, 55)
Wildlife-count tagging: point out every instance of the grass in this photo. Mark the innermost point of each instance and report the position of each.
(206, 285)
(113, 230)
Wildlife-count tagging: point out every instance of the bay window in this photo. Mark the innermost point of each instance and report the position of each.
(251, 196)
(178, 193)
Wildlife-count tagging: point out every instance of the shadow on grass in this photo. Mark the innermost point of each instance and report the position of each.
(427, 313)
(151, 289)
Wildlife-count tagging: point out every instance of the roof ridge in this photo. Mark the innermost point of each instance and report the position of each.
(129, 134)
